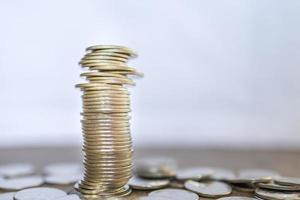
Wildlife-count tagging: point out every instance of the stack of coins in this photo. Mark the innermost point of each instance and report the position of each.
(107, 144)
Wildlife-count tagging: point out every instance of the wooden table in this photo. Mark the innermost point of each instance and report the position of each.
(285, 162)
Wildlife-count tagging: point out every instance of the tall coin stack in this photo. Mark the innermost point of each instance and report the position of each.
(107, 144)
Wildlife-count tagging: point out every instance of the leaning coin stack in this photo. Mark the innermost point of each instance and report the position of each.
(105, 121)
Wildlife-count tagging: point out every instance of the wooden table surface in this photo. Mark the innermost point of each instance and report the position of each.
(285, 162)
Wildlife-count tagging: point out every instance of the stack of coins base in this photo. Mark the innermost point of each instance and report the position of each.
(107, 144)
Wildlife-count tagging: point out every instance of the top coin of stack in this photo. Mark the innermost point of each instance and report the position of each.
(105, 125)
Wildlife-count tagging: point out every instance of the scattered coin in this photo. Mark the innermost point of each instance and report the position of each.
(254, 176)
(13, 170)
(21, 183)
(208, 189)
(153, 198)
(63, 168)
(271, 194)
(174, 194)
(146, 184)
(288, 181)
(196, 173)
(176, 184)
(236, 198)
(222, 174)
(243, 187)
(62, 179)
(40, 193)
(7, 196)
(274, 186)
(158, 167)
(69, 197)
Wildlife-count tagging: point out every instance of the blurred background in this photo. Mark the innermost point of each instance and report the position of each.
(217, 73)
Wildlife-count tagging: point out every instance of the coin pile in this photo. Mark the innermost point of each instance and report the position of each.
(105, 125)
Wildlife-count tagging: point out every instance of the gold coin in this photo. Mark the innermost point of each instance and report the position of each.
(120, 89)
(104, 67)
(120, 55)
(106, 103)
(113, 160)
(106, 97)
(95, 129)
(98, 85)
(112, 149)
(104, 62)
(106, 131)
(125, 73)
(104, 123)
(111, 48)
(106, 92)
(115, 115)
(100, 58)
(111, 80)
(107, 110)
(102, 74)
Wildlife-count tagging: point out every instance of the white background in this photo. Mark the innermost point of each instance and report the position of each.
(218, 73)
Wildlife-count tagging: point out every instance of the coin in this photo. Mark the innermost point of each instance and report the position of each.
(222, 174)
(146, 184)
(274, 186)
(154, 198)
(13, 170)
(113, 48)
(62, 179)
(272, 194)
(176, 184)
(174, 194)
(92, 54)
(102, 74)
(208, 189)
(255, 176)
(40, 193)
(243, 187)
(236, 198)
(69, 197)
(158, 167)
(195, 173)
(21, 183)
(288, 181)
(7, 196)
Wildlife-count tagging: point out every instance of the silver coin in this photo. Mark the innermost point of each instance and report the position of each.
(147, 184)
(13, 170)
(21, 183)
(60, 179)
(158, 167)
(243, 187)
(272, 194)
(7, 196)
(274, 186)
(236, 198)
(196, 173)
(222, 174)
(176, 184)
(174, 194)
(69, 197)
(153, 198)
(41, 193)
(254, 176)
(208, 189)
(288, 181)
(63, 168)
